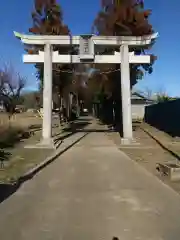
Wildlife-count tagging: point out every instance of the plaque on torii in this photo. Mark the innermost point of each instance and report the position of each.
(87, 54)
(86, 48)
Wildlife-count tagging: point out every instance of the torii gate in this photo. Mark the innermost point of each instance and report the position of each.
(86, 53)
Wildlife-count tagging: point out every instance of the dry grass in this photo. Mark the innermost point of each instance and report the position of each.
(18, 124)
(20, 119)
(14, 158)
(12, 130)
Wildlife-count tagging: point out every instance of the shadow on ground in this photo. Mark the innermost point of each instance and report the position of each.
(6, 190)
(80, 126)
(73, 128)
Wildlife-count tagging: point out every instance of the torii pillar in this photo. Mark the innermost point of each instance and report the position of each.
(126, 95)
(47, 98)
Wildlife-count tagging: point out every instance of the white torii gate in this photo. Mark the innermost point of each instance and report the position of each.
(86, 53)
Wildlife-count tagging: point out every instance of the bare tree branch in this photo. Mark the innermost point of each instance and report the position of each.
(11, 86)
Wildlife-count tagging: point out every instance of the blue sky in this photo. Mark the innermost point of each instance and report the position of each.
(79, 15)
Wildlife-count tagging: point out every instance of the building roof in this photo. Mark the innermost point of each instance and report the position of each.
(138, 96)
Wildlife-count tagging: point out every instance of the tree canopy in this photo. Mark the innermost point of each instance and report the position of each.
(48, 20)
(118, 17)
(123, 18)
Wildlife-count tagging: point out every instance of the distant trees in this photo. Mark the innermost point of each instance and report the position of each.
(147, 93)
(11, 86)
(158, 96)
(162, 96)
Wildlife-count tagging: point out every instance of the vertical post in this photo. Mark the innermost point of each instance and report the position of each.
(47, 96)
(126, 95)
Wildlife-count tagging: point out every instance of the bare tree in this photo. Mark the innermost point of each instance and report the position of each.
(11, 86)
(162, 95)
(158, 96)
(146, 92)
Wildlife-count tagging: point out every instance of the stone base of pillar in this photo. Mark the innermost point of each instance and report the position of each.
(44, 143)
(127, 141)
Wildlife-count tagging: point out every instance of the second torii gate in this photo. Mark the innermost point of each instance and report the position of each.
(86, 53)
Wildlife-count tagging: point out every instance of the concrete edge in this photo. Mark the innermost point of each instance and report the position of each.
(30, 173)
(163, 145)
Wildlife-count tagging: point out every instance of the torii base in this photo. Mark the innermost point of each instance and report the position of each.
(44, 143)
(128, 141)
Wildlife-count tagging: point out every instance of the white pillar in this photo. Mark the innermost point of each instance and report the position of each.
(47, 96)
(126, 95)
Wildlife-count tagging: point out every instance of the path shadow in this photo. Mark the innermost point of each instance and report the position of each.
(35, 127)
(6, 190)
(96, 130)
(73, 128)
(80, 126)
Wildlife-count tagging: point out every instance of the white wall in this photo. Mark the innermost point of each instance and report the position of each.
(138, 110)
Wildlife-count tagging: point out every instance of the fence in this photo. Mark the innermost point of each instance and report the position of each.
(164, 116)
